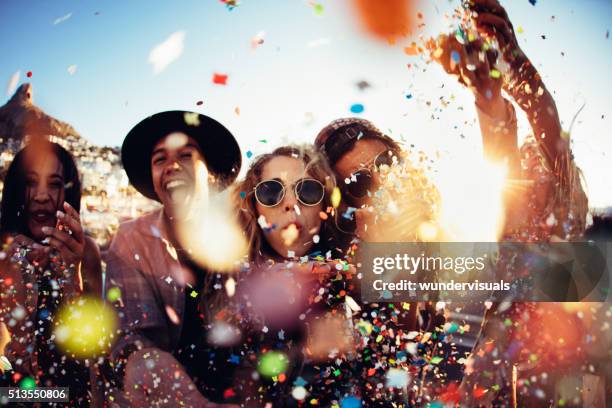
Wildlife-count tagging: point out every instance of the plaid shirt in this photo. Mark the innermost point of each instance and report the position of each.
(143, 264)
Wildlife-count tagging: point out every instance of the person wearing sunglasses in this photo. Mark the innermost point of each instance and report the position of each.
(284, 206)
(356, 150)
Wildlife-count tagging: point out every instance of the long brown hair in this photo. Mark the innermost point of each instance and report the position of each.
(244, 198)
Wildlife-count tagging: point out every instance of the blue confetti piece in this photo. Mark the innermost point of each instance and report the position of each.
(357, 108)
(348, 214)
(455, 56)
(350, 402)
(533, 2)
(300, 382)
(408, 96)
(249, 154)
(243, 194)
(234, 359)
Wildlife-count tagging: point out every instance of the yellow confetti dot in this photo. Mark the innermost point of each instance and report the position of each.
(336, 197)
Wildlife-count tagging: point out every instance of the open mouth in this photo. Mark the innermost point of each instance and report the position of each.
(179, 190)
(41, 216)
(290, 233)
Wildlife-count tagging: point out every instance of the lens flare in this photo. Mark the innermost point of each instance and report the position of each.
(85, 328)
(213, 237)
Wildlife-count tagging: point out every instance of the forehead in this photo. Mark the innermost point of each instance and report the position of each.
(43, 163)
(175, 141)
(284, 167)
(364, 151)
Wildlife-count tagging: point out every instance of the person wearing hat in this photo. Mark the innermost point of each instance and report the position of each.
(161, 357)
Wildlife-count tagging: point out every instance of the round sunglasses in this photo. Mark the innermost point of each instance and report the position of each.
(270, 193)
(362, 180)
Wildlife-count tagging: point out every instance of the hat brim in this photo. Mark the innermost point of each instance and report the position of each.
(217, 144)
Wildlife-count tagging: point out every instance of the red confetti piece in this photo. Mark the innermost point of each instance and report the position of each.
(29, 74)
(228, 393)
(199, 103)
(220, 79)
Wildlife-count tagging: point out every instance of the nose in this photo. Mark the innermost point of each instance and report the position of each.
(172, 167)
(290, 200)
(41, 195)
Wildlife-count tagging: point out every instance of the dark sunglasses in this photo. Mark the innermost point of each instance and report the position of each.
(270, 193)
(362, 180)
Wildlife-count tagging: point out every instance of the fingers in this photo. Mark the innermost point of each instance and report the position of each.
(72, 212)
(497, 27)
(489, 6)
(73, 224)
(59, 239)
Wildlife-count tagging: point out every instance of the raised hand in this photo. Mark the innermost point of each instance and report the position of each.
(67, 238)
(473, 62)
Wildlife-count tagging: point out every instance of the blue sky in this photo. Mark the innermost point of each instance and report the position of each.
(302, 76)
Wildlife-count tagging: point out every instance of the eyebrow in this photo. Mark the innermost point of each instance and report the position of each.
(162, 149)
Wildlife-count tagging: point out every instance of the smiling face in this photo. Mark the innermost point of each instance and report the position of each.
(296, 223)
(44, 192)
(361, 156)
(179, 174)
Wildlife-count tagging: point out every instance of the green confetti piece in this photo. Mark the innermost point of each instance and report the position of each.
(113, 294)
(27, 383)
(435, 360)
(495, 74)
(272, 364)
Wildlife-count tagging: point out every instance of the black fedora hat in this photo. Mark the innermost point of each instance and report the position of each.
(219, 147)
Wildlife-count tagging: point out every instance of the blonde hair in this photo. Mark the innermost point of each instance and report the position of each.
(244, 198)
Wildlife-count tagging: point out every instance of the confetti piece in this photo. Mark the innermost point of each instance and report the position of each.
(85, 328)
(298, 393)
(318, 9)
(257, 40)
(412, 49)
(199, 103)
(495, 74)
(455, 57)
(29, 74)
(219, 79)
(350, 402)
(237, 110)
(62, 19)
(28, 383)
(357, 108)
(350, 302)
(249, 154)
(243, 194)
(5, 364)
(436, 360)
(231, 4)
(172, 315)
(336, 197)
(230, 287)
(408, 96)
(520, 30)
(167, 52)
(113, 294)
(533, 2)
(363, 85)
(191, 118)
(12, 83)
(397, 378)
(272, 364)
